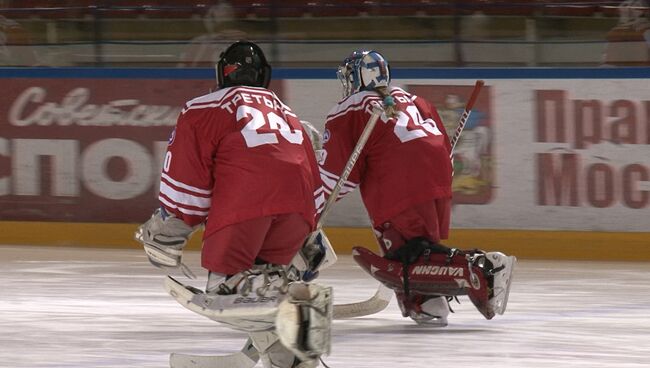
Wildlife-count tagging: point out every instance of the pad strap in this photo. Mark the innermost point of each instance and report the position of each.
(410, 253)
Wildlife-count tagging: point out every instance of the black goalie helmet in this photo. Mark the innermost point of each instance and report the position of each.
(243, 64)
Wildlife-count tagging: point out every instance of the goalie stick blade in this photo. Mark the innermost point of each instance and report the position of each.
(237, 360)
(246, 358)
(375, 304)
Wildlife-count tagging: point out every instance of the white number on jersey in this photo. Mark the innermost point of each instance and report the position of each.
(421, 128)
(275, 122)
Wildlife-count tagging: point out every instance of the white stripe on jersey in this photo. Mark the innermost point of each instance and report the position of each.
(210, 100)
(359, 101)
(355, 102)
(215, 99)
(329, 185)
(319, 201)
(344, 191)
(181, 209)
(185, 186)
(330, 180)
(182, 198)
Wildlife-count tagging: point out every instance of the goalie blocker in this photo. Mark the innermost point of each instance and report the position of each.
(431, 269)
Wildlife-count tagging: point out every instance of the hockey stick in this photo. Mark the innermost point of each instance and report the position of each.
(375, 304)
(380, 300)
(352, 160)
(382, 297)
(463, 118)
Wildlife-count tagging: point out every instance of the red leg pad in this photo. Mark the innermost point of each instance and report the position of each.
(432, 275)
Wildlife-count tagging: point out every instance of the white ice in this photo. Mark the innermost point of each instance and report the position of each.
(101, 308)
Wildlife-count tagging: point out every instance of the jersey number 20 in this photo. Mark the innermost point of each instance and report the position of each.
(276, 123)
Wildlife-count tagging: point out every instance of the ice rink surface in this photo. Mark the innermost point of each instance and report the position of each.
(76, 307)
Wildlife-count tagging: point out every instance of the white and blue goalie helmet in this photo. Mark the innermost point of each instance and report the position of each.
(363, 70)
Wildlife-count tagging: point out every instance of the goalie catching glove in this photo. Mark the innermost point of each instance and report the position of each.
(315, 255)
(164, 236)
(316, 140)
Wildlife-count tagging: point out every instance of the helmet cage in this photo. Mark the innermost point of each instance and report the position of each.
(363, 70)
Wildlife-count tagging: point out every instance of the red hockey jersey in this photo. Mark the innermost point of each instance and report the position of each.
(404, 162)
(237, 154)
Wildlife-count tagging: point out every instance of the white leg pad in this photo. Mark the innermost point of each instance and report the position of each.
(252, 313)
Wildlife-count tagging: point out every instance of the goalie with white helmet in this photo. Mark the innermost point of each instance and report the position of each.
(367, 71)
(403, 171)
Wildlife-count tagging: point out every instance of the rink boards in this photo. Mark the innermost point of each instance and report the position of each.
(553, 163)
(527, 244)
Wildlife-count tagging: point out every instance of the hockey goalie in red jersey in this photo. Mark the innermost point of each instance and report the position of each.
(404, 173)
(240, 163)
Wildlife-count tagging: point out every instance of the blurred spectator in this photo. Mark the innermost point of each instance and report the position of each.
(628, 44)
(475, 26)
(205, 50)
(15, 44)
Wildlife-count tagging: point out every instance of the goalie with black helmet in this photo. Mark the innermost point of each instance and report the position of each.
(240, 164)
(404, 174)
